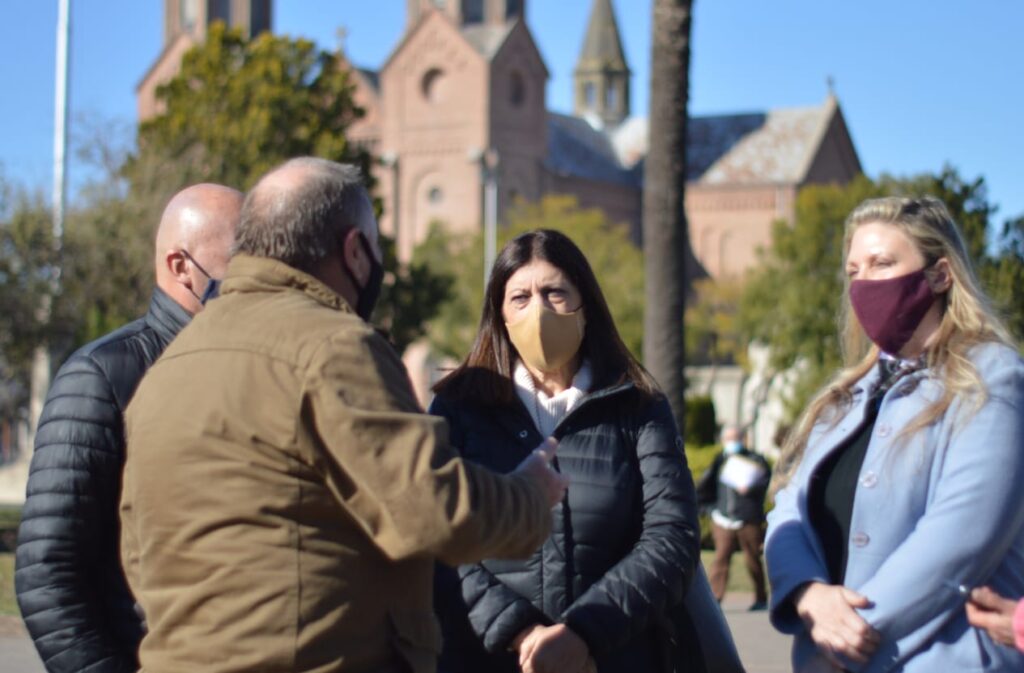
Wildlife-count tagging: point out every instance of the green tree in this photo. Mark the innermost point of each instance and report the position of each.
(238, 107)
(1003, 275)
(616, 262)
(97, 287)
(411, 296)
(712, 330)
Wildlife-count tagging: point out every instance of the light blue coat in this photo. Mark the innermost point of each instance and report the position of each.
(945, 509)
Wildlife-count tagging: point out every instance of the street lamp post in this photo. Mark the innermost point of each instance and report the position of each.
(389, 160)
(489, 161)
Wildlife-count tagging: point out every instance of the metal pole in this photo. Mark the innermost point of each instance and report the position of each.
(396, 216)
(60, 124)
(40, 377)
(490, 170)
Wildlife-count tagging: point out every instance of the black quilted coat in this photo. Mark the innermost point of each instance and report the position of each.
(71, 590)
(622, 551)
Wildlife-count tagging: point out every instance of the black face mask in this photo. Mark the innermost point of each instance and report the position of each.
(369, 293)
(212, 288)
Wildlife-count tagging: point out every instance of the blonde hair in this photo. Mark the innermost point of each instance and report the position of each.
(968, 319)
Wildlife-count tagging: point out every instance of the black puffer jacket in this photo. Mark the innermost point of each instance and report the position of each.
(71, 589)
(622, 550)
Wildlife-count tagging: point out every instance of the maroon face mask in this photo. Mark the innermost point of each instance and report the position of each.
(890, 310)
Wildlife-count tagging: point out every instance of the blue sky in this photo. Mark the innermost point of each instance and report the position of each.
(921, 82)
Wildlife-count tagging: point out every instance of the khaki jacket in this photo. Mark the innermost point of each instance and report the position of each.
(285, 498)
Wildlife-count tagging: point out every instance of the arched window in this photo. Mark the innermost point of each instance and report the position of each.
(435, 196)
(432, 85)
(611, 97)
(517, 89)
(590, 95)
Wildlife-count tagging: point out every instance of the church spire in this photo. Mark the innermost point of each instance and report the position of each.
(601, 79)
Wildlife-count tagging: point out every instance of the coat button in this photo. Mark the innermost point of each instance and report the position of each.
(860, 540)
(884, 430)
(870, 480)
(523, 434)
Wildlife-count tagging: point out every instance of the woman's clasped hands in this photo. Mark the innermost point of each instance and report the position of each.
(553, 649)
(834, 625)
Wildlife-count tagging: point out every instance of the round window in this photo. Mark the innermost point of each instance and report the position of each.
(435, 195)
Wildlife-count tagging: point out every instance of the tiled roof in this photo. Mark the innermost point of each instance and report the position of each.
(779, 151)
(372, 77)
(579, 149)
(766, 147)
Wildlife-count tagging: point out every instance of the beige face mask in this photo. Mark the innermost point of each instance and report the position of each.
(547, 340)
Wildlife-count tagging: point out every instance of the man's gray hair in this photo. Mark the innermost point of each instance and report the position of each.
(300, 211)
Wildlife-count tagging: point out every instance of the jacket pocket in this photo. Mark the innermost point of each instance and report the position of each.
(416, 636)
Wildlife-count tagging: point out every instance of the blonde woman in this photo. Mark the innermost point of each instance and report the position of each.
(901, 485)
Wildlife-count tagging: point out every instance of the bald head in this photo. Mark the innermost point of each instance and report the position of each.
(193, 242)
(732, 433)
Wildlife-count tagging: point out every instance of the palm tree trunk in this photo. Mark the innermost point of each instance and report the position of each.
(666, 240)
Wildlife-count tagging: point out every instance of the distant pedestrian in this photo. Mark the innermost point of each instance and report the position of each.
(902, 482)
(734, 489)
(70, 584)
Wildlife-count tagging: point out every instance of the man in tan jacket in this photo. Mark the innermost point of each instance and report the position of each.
(284, 495)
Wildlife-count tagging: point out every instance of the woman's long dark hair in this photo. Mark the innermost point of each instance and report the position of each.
(485, 376)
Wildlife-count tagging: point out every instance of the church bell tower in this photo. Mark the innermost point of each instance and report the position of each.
(601, 78)
(192, 17)
(468, 12)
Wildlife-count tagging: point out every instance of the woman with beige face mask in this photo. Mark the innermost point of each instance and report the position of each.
(604, 593)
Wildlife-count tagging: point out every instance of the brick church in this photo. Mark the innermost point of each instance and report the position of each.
(463, 93)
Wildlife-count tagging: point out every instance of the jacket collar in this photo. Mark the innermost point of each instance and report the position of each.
(519, 422)
(261, 274)
(166, 317)
(874, 378)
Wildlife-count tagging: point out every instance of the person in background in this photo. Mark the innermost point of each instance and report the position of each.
(734, 488)
(284, 505)
(901, 483)
(601, 592)
(69, 581)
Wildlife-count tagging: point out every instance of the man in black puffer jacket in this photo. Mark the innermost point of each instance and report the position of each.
(70, 585)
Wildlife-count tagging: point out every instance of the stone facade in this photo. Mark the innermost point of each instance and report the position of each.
(463, 92)
(467, 81)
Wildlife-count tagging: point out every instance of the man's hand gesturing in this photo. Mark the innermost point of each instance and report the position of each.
(537, 468)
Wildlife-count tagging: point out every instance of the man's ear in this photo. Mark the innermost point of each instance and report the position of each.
(940, 278)
(355, 255)
(177, 265)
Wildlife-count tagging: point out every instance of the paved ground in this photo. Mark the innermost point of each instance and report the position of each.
(17, 655)
(762, 649)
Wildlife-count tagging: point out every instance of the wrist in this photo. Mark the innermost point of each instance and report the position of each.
(521, 637)
(798, 596)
